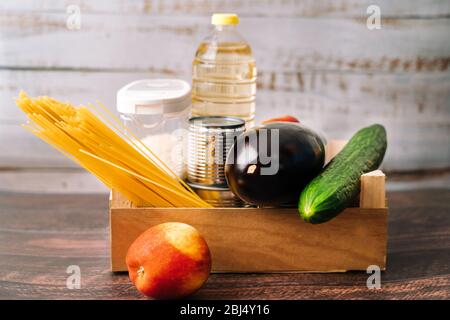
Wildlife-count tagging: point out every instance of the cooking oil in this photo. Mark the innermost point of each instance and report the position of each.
(224, 73)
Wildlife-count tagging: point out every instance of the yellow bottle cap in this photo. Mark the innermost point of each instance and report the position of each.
(224, 19)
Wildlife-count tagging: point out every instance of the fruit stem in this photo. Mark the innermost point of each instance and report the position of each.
(140, 272)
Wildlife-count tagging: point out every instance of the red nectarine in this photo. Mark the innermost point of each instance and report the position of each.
(169, 261)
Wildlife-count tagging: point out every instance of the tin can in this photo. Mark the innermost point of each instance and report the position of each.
(217, 196)
(210, 139)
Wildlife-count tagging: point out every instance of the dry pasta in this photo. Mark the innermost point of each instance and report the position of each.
(97, 141)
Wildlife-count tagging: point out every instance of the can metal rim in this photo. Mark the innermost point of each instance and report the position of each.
(208, 187)
(202, 122)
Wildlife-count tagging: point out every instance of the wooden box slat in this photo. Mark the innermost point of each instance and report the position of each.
(266, 240)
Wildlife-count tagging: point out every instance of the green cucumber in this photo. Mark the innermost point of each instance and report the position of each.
(339, 182)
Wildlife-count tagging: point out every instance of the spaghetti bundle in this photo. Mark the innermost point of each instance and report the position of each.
(96, 141)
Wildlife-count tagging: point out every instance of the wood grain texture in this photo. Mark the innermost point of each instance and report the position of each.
(316, 60)
(373, 190)
(290, 8)
(416, 113)
(79, 181)
(117, 42)
(64, 180)
(73, 229)
(332, 148)
(119, 202)
(265, 240)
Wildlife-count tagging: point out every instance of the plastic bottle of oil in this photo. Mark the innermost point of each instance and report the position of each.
(224, 72)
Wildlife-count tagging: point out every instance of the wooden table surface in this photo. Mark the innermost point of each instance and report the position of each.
(41, 235)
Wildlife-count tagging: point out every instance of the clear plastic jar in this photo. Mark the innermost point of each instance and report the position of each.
(156, 111)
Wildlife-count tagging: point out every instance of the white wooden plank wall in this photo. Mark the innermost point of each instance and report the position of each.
(316, 60)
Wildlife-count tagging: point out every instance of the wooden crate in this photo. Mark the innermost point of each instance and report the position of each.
(270, 239)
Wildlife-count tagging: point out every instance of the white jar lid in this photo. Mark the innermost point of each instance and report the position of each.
(154, 96)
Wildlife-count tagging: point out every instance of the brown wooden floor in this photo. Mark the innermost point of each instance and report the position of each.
(41, 235)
